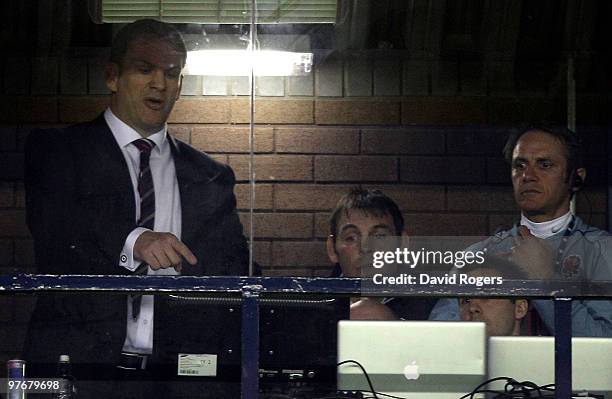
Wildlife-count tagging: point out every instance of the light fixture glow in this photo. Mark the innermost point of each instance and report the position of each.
(240, 63)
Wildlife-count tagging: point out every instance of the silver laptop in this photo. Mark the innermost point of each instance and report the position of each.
(533, 359)
(420, 359)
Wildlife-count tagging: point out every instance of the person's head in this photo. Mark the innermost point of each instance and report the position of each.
(502, 316)
(144, 74)
(547, 169)
(360, 216)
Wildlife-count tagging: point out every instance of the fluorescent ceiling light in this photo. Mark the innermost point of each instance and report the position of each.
(240, 63)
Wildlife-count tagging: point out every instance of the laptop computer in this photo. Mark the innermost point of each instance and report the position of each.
(412, 359)
(533, 359)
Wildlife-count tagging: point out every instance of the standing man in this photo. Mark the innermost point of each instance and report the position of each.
(118, 195)
(361, 218)
(551, 242)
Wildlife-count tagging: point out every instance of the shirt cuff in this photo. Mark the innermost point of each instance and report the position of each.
(126, 259)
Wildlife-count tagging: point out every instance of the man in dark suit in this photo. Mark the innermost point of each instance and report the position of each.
(118, 195)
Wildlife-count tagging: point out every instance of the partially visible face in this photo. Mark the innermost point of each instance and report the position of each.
(501, 316)
(497, 314)
(539, 177)
(355, 235)
(147, 84)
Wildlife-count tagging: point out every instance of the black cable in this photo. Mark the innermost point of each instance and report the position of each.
(514, 389)
(365, 373)
(390, 396)
(475, 390)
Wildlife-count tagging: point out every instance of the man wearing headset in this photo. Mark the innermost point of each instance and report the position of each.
(550, 242)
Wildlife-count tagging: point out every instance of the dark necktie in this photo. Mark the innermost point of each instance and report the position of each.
(147, 205)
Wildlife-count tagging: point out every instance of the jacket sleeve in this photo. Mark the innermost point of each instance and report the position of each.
(72, 233)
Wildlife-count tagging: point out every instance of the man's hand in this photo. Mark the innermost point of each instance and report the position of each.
(533, 255)
(371, 309)
(162, 250)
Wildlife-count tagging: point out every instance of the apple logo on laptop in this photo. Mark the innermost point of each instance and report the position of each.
(411, 371)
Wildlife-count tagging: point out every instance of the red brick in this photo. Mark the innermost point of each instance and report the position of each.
(262, 252)
(414, 198)
(279, 225)
(442, 170)
(499, 222)
(429, 224)
(202, 110)
(181, 132)
(321, 225)
(24, 252)
(12, 224)
(308, 196)
(544, 110)
(7, 194)
(19, 195)
(6, 252)
(498, 171)
(284, 111)
(355, 168)
(357, 112)
(28, 109)
(263, 196)
(480, 198)
(231, 139)
(324, 197)
(240, 110)
(443, 110)
(472, 140)
(273, 167)
(299, 254)
(503, 111)
(81, 109)
(273, 111)
(404, 141)
(317, 140)
(220, 158)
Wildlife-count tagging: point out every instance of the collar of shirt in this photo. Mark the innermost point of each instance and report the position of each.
(125, 135)
(547, 229)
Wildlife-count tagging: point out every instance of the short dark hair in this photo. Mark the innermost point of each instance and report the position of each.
(506, 269)
(369, 201)
(146, 29)
(574, 149)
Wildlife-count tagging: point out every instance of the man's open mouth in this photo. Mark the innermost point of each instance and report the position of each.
(154, 103)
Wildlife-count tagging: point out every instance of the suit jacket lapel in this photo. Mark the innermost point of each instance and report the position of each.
(115, 177)
(198, 197)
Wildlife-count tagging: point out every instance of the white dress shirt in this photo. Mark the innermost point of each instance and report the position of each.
(139, 335)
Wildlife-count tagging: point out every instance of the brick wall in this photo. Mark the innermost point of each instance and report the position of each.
(375, 123)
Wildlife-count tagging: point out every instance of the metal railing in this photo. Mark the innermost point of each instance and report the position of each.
(252, 289)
